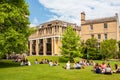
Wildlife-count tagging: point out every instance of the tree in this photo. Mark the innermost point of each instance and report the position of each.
(14, 26)
(91, 50)
(71, 46)
(108, 48)
(118, 53)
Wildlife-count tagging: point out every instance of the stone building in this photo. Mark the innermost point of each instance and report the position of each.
(47, 39)
(101, 28)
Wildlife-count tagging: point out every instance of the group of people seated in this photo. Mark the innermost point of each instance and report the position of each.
(43, 61)
(46, 61)
(105, 69)
(25, 62)
(76, 65)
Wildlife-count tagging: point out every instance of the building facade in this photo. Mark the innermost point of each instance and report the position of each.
(101, 29)
(47, 39)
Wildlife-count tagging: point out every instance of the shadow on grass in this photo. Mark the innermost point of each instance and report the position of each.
(8, 63)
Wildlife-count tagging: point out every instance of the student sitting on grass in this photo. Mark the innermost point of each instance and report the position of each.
(27, 62)
(78, 66)
(97, 69)
(51, 63)
(117, 69)
(108, 69)
(67, 65)
(36, 61)
(55, 63)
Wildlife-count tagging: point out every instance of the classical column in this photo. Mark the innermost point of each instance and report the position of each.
(52, 46)
(60, 30)
(31, 47)
(59, 45)
(44, 46)
(37, 47)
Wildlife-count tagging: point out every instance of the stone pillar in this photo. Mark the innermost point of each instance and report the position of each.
(44, 46)
(53, 29)
(52, 46)
(37, 47)
(60, 30)
(59, 45)
(31, 47)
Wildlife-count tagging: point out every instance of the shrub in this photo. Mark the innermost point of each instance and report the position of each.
(63, 59)
(93, 56)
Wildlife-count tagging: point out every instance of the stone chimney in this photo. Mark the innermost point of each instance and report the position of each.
(82, 18)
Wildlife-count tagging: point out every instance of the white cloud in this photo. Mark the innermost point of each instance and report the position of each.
(34, 22)
(69, 10)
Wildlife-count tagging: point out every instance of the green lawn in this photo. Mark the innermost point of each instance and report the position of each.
(12, 71)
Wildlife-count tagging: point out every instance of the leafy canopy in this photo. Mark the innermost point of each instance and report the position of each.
(71, 46)
(108, 48)
(14, 26)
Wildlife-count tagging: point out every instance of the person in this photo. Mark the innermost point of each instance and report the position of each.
(118, 70)
(78, 66)
(108, 70)
(55, 63)
(75, 65)
(27, 62)
(36, 61)
(51, 63)
(103, 65)
(98, 69)
(68, 65)
(22, 63)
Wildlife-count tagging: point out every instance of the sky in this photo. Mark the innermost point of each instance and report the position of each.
(42, 11)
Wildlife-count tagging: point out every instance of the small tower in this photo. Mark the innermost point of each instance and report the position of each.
(82, 18)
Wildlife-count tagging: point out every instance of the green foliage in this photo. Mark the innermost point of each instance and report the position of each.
(90, 49)
(71, 46)
(91, 43)
(14, 26)
(63, 59)
(108, 48)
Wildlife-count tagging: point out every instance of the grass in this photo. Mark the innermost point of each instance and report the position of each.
(12, 71)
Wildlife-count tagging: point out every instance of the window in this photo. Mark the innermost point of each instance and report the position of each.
(105, 36)
(105, 25)
(99, 36)
(92, 36)
(56, 28)
(91, 27)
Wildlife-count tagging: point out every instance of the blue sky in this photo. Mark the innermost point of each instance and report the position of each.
(38, 13)
(69, 10)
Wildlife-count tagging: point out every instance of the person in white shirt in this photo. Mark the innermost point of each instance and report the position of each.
(108, 70)
(51, 63)
(68, 65)
(36, 61)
